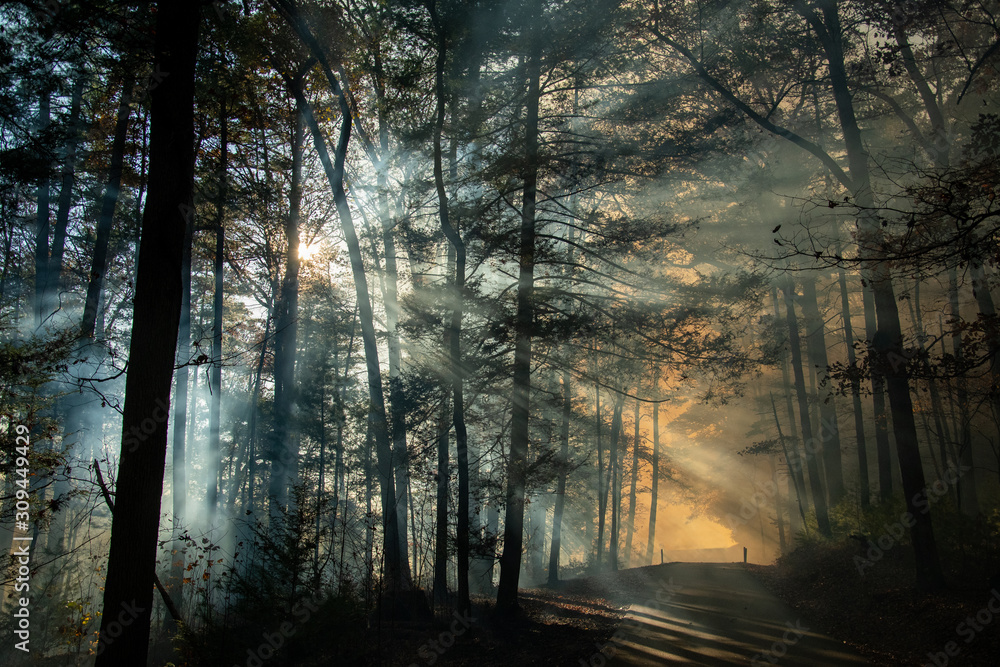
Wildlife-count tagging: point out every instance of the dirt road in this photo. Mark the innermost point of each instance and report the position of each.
(717, 614)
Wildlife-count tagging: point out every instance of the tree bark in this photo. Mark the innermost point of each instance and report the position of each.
(128, 591)
(453, 234)
(397, 574)
(883, 453)
(631, 493)
(888, 341)
(614, 456)
(793, 457)
(54, 274)
(510, 560)
(179, 481)
(815, 483)
(859, 417)
(655, 483)
(42, 220)
(968, 499)
(816, 343)
(441, 525)
(284, 448)
(109, 201)
(215, 409)
(560, 506)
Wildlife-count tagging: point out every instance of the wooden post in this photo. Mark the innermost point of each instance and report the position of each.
(744, 555)
(661, 556)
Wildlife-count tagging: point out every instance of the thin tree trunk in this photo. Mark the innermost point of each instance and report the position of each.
(981, 291)
(42, 220)
(453, 234)
(215, 410)
(284, 448)
(601, 497)
(793, 457)
(396, 572)
(829, 426)
(883, 453)
(615, 453)
(631, 494)
(888, 340)
(937, 413)
(818, 494)
(968, 499)
(797, 483)
(655, 479)
(442, 475)
(54, 274)
(105, 218)
(510, 560)
(179, 454)
(778, 506)
(859, 417)
(563, 465)
(397, 397)
(53, 286)
(134, 531)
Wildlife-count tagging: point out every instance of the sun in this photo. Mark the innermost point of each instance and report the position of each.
(307, 251)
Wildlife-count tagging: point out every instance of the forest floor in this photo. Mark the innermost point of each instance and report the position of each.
(559, 625)
(881, 614)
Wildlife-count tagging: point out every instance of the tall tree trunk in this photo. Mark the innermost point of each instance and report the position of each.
(453, 234)
(54, 274)
(510, 560)
(859, 418)
(179, 484)
(68, 404)
(397, 572)
(937, 412)
(778, 506)
(563, 465)
(214, 462)
(882, 450)
(815, 483)
(981, 291)
(128, 590)
(42, 219)
(109, 201)
(797, 484)
(631, 493)
(790, 448)
(829, 426)
(397, 397)
(968, 499)
(601, 497)
(615, 452)
(443, 474)
(888, 340)
(284, 450)
(655, 479)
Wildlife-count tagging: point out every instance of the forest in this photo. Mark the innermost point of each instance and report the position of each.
(342, 321)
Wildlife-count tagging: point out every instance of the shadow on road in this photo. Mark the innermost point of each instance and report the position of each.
(717, 614)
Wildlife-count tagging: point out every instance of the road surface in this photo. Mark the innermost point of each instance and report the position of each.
(716, 614)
